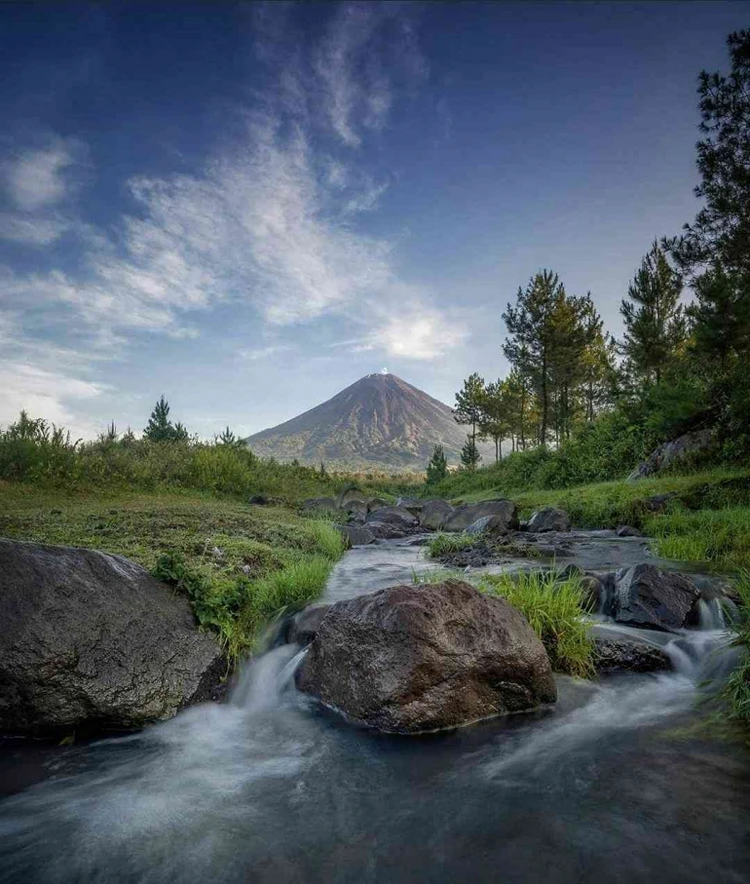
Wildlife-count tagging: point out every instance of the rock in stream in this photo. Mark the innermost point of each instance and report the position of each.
(409, 659)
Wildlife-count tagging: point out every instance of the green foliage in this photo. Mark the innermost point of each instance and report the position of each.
(552, 605)
(445, 544)
(653, 318)
(609, 446)
(737, 690)
(469, 403)
(720, 537)
(239, 565)
(160, 428)
(437, 468)
(470, 455)
(37, 452)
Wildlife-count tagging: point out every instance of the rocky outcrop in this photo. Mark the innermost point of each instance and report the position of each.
(92, 641)
(647, 596)
(357, 535)
(434, 513)
(549, 519)
(419, 658)
(468, 513)
(668, 454)
(622, 655)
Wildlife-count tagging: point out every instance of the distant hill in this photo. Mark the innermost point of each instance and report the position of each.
(379, 421)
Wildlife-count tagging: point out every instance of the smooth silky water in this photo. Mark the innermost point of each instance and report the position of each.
(611, 785)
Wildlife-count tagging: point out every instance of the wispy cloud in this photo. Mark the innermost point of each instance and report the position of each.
(39, 184)
(272, 221)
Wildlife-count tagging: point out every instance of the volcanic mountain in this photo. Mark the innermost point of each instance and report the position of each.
(379, 421)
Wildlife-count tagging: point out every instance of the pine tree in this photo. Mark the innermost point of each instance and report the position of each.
(469, 403)
(546, 340)
(159, 427)
(437, 468)
(653, 318)
(470, 455)
(721, 230)
(494, 422)
(598, 363)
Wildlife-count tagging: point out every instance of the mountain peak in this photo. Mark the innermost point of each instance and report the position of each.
(380, 421)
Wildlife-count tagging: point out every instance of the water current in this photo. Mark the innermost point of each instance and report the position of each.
(613, 784)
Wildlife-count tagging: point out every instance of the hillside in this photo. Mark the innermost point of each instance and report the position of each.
(379, 421)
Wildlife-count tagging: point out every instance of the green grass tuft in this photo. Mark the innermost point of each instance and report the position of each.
(553, 608)
(445, 544)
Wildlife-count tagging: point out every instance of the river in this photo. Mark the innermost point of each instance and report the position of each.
(614, 784)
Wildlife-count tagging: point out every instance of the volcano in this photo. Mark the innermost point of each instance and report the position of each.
(380, 421)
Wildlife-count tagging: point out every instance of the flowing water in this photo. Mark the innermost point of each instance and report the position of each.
(611, 785)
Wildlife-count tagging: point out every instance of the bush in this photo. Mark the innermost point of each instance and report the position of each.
(445, 544)
(37, 452)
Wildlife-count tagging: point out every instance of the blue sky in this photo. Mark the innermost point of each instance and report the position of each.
(247, 207)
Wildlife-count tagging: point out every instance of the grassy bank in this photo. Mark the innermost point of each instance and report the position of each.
(239, 564)
(707, 518)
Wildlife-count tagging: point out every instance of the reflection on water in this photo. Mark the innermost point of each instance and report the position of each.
(270, 788)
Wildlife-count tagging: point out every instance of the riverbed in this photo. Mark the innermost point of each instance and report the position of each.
(613, 784)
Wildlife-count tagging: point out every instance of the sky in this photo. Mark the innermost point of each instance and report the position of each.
(247, 207)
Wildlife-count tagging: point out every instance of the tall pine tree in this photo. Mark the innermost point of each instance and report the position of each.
(469, 403)
(653, 318)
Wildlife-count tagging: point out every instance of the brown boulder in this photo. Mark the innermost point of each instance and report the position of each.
(410, 659)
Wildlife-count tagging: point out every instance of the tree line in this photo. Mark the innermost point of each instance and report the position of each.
(677, 366)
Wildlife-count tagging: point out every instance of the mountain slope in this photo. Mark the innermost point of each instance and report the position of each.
(379, 421)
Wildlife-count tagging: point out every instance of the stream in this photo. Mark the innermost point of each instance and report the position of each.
(613, 784)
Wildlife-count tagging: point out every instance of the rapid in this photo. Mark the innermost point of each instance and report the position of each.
(615, 783)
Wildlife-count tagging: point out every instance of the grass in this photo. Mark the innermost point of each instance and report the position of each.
(239, 565)
(737, 689)
(445, 544)
(553, 608)
(720, 537)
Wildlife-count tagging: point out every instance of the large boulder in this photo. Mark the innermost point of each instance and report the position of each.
(320, 506)
(466, 514)
(549, 519)
(419, 658)
(434, 513)
(356, 510)
(357, 535)
(647, 596)
(393, 515)
(92, 641)
(683, 448)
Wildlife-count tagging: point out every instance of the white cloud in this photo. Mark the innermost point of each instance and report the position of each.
(37, 178)
(415, 330)
(44, 393)
(40, 183)
(269, 221)
(253, 355)
(366, 47)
